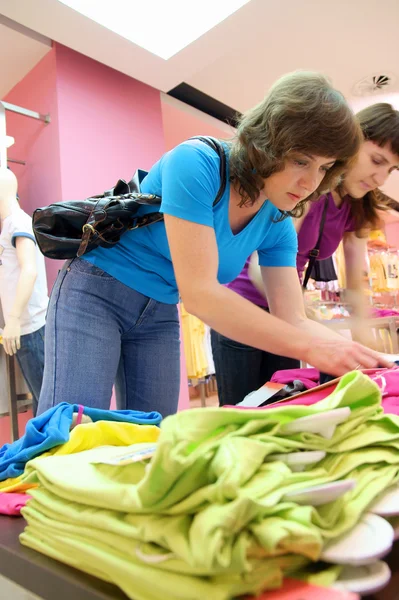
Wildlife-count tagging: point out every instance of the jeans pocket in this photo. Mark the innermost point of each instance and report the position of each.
(84, 266)
(57, 283)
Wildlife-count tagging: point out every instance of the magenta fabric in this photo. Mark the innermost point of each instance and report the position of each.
(80, 414)
(244, 286)
(338, 222)
(309, 377)
(386, 379)
(385, 312)
(11, 504)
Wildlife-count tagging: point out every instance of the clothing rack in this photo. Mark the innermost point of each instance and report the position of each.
(16, 161)
(26, 112)
(3, 130)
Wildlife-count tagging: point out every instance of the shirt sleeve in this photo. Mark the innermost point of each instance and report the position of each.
(283, 252)
(190, 182)
(21, 226)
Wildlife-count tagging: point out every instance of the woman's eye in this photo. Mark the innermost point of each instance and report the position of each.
(300, 163)
(325, 169)
(376, 162)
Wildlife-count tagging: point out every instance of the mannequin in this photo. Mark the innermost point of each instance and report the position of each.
(23, 286)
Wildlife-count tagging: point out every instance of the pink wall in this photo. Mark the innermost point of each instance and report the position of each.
(392, 234)
(37, 143)
(110, 124)
(103, 126)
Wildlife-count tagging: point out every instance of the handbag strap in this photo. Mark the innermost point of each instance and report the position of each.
(314, 254)
(132, 189)
(219, 148)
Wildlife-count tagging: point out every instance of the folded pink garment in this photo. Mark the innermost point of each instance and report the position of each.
(386, 379)
(309, 377)
(11, 504)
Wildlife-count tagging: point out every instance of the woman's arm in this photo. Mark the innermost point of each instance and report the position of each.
(355, 249)
(195, 260)
(26, 255)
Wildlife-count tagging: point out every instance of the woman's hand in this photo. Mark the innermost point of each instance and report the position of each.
(337, 357)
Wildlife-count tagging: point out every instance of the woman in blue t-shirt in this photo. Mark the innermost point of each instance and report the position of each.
(113, 314)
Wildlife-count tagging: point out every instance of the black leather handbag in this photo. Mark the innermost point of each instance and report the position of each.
(68, 229)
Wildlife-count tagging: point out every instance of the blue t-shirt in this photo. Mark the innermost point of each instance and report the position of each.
(188, 178)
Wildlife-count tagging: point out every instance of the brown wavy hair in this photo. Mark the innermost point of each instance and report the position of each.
(379, 124)
(301, 113)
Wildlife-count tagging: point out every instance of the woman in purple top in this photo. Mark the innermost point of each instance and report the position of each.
(351, 213)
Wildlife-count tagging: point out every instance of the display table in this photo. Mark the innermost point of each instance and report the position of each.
(49, 579)
(46, 578)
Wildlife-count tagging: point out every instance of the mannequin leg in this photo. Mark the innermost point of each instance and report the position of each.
(31, 361)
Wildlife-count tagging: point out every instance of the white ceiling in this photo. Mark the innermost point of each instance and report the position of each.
(236, 61)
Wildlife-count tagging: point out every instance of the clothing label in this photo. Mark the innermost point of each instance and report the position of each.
(129, 457)
(255, 399)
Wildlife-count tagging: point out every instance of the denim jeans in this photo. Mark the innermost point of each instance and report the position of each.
(241, 369)
(30, 358)
(100, 332)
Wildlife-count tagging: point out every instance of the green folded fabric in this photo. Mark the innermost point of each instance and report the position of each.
(208, 516)
(139, 569)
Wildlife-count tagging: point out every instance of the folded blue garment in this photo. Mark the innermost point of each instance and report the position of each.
(51, 429)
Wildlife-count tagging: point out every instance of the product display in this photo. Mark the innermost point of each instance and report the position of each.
(211, 510)
(52, 429)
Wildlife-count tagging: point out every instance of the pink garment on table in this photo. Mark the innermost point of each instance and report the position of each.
(386, 379)
(80, 414)
(11, 504)
(385, 312)
(300, 590)
(309, 377)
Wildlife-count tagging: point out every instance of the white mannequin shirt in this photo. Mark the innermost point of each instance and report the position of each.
(19, 224)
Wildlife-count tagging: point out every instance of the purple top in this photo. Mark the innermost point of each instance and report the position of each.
(339, 220)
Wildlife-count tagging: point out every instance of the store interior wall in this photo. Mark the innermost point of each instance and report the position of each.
(37, 143)
(103, 126)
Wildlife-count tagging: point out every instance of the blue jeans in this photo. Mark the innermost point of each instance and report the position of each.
(30, 358)
(100, 332)
(241, 369)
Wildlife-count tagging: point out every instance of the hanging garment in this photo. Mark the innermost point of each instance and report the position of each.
(193, 342)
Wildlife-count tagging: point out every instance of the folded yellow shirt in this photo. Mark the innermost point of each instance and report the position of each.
(86, 437)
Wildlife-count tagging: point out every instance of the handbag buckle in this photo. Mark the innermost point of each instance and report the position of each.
(314, 253)
(88, 228)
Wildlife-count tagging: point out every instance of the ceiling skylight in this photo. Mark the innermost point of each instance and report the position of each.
(163, 27)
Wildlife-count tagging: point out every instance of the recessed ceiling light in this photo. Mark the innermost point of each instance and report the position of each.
(163, 27)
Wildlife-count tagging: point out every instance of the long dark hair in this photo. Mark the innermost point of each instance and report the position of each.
(379, 124)
(301, 113)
